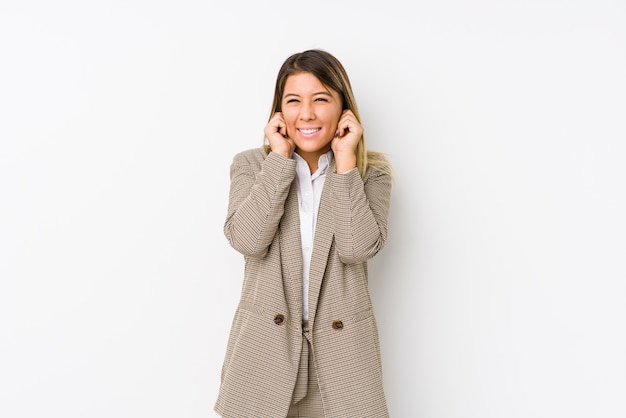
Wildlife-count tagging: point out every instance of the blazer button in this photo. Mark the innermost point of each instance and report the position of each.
(337, 324)
(279, 319)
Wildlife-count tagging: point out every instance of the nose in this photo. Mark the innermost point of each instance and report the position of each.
(307, 112)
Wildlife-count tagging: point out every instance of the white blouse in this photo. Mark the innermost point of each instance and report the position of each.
(310, 188)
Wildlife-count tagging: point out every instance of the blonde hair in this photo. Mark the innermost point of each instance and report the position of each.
(331, 73)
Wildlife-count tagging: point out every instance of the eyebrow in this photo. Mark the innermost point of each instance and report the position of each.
(325, 93)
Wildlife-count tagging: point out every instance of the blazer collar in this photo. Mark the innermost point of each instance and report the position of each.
(291, 252)
(322, 241)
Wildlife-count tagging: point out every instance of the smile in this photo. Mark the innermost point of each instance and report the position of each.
(310, 131)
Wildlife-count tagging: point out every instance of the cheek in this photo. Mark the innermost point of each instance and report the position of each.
(290, 117)
(337, 115)
(335, 120)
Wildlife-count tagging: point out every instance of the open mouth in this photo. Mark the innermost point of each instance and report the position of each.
(309, 131)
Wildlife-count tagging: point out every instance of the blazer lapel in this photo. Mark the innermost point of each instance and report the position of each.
(324, 235)
(291, 251)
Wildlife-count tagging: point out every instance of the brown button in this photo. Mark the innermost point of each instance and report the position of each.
(279, 319)
(337, 324)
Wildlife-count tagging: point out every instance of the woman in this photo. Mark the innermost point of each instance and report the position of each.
(307, 211)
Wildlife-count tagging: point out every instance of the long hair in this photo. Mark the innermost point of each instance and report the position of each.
(331, 73)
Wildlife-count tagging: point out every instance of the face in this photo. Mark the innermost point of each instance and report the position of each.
(311, 112)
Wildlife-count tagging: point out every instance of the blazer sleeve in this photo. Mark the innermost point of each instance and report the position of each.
(360, 212)
(257, 200)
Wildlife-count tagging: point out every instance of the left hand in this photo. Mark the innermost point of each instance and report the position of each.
(349, 133)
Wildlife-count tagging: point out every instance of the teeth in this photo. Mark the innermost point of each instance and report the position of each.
(308, 131)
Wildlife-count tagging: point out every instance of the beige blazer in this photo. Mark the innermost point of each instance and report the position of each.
(263, 352)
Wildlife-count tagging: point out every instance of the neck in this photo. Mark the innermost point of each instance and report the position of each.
(312, 158)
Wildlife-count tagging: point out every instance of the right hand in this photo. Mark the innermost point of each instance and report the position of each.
(276, 134)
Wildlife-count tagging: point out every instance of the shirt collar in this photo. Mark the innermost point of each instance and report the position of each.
(322, 163)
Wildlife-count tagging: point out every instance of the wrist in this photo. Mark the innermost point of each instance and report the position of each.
(283, 153)
(345, 163)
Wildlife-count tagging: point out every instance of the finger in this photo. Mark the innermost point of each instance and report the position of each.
(344, 127)
(346, 121)
(279, 125)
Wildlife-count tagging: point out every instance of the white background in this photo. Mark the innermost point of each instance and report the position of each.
(501, 292)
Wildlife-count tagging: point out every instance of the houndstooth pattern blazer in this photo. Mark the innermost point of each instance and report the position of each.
(263, 351)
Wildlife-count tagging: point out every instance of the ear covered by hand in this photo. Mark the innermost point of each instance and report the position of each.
(347, 137)
(276, 134)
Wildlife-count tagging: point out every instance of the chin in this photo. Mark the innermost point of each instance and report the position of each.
(323, 148)
(313, 146)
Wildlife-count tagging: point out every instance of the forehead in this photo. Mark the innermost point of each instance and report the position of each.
(305, 84)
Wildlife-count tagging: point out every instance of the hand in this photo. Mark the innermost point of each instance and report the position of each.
(349, 133)
(276, 134)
